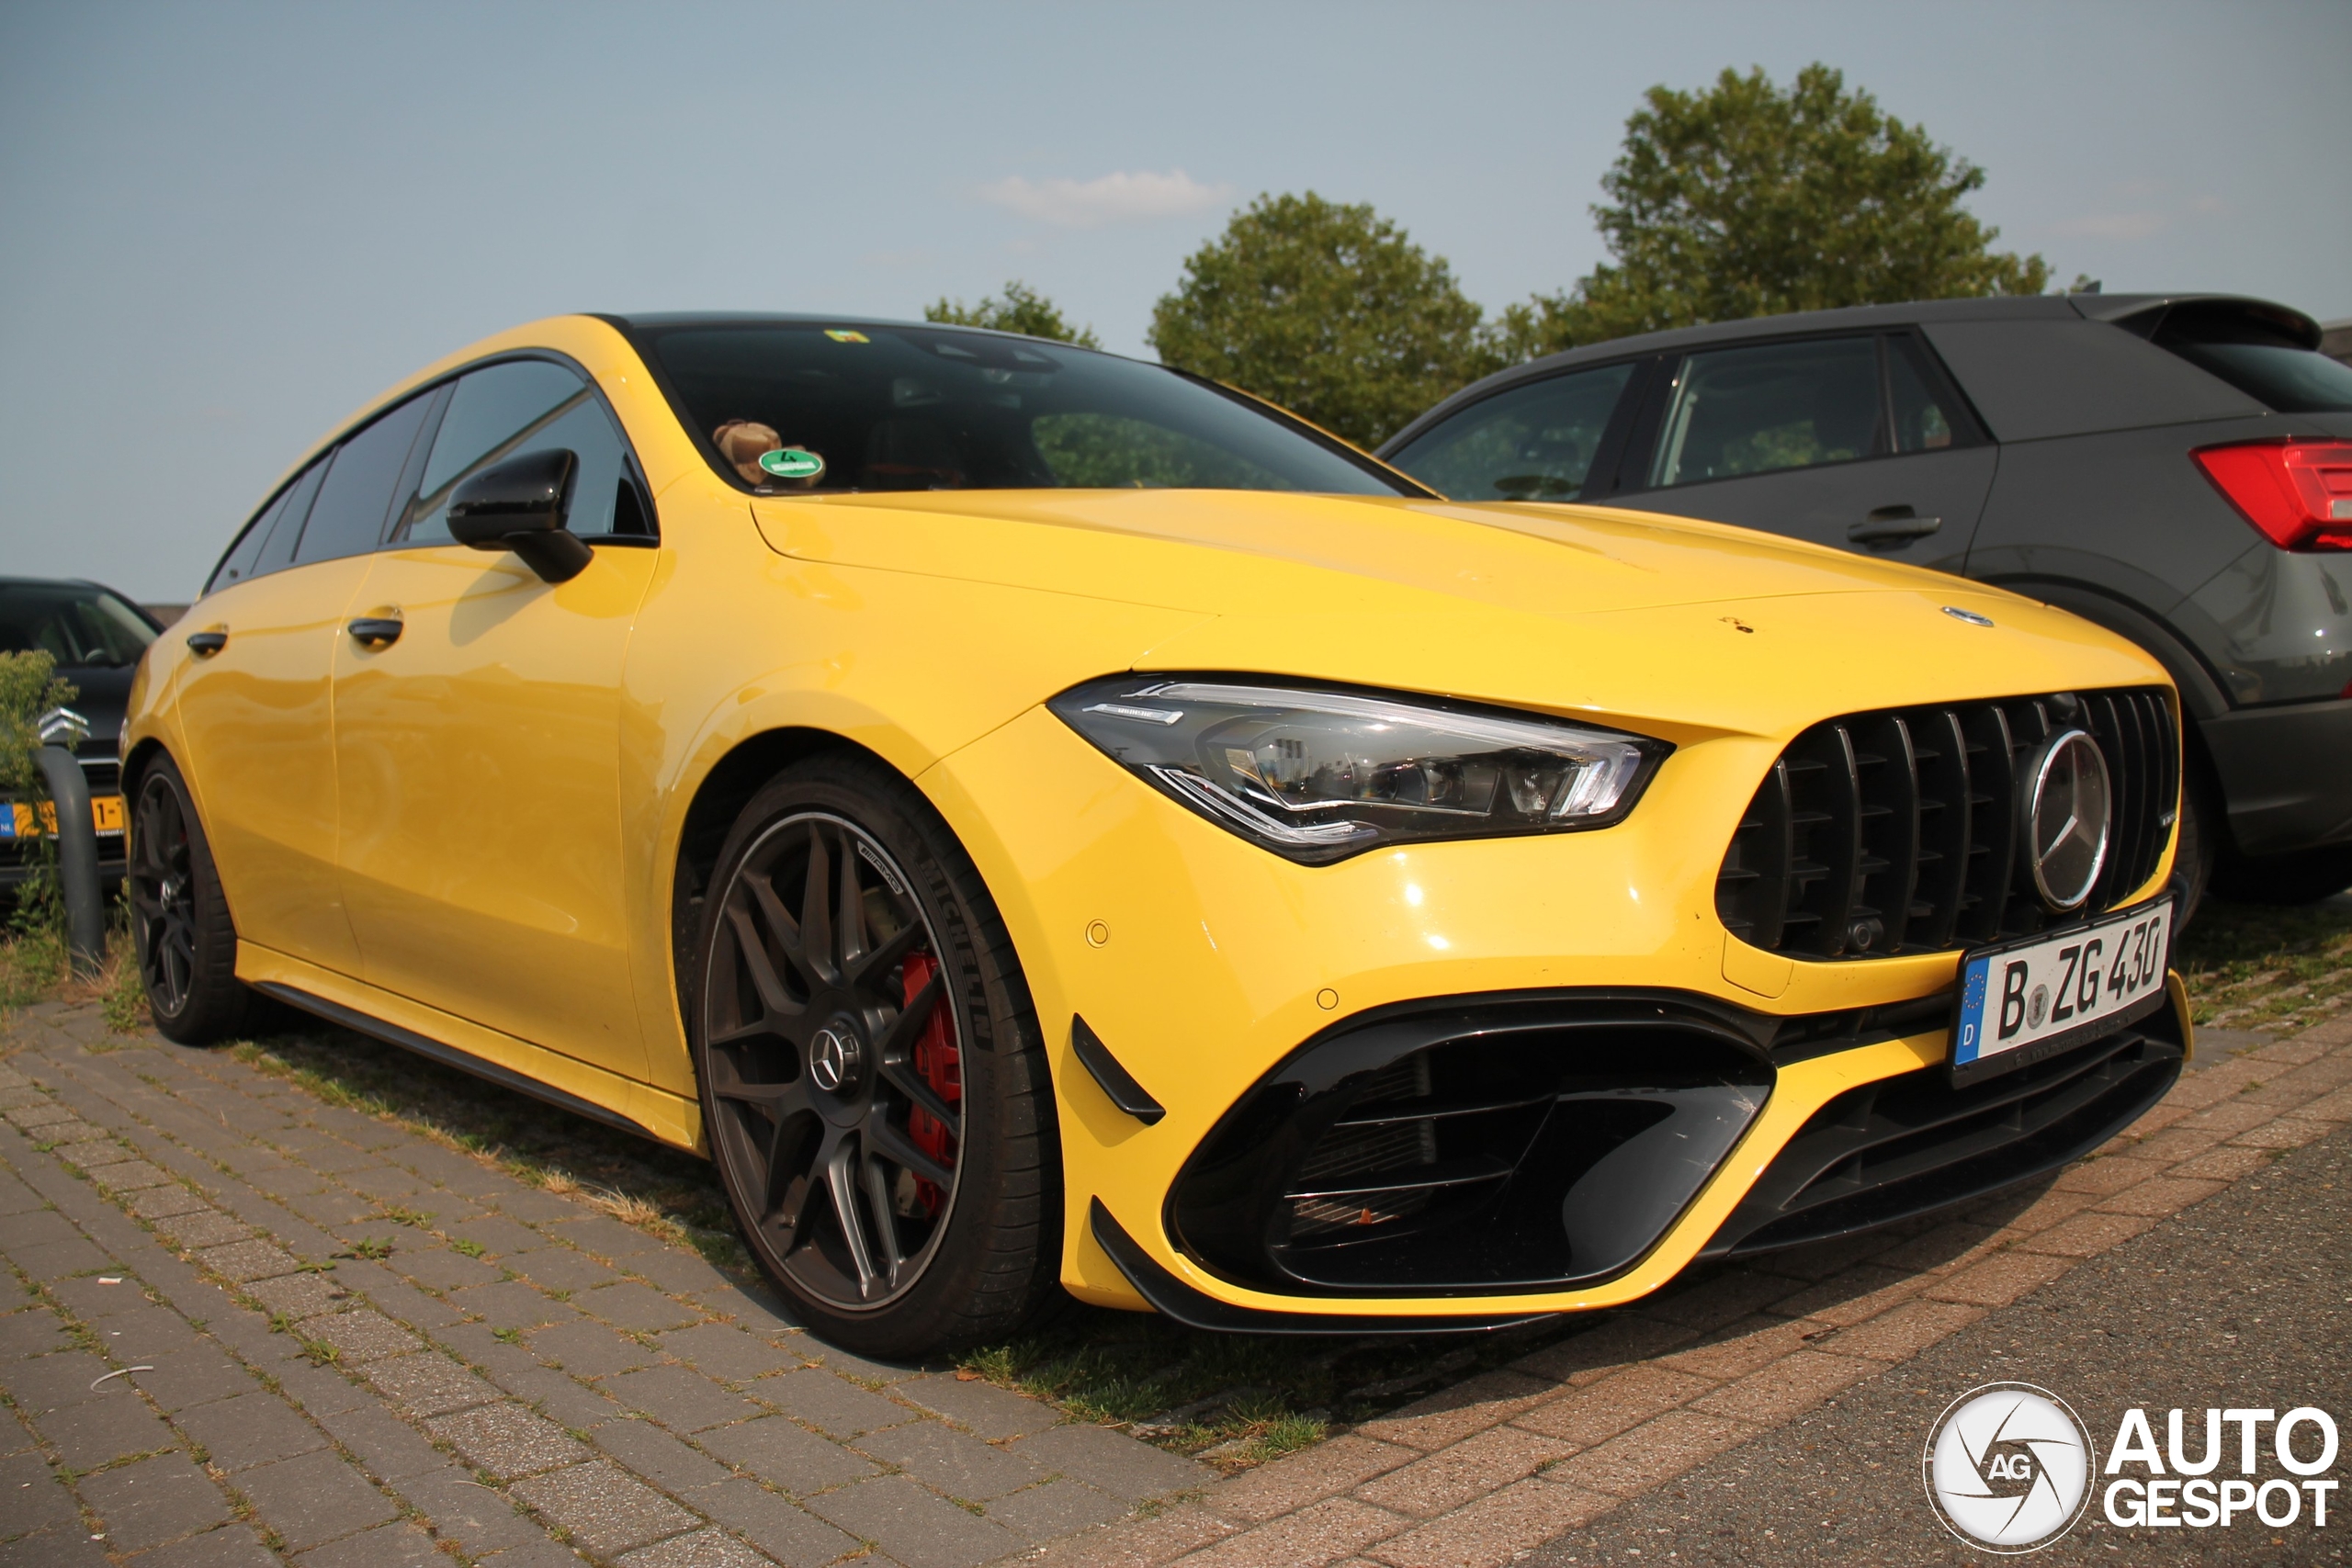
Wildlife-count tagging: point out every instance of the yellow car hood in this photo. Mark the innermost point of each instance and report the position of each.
(1693, 626)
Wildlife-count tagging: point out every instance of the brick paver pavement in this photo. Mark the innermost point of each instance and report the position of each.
(209, 1363)
(523, 1380)
(1478, 1474)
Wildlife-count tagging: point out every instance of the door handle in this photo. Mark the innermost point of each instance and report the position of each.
(206, 643)
(1893, 526)
(375, 631)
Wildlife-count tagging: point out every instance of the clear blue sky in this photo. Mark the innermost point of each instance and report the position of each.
(227, 225)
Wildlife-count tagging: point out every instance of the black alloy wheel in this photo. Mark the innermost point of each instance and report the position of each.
(187, 943)
(858, 1052)
(163, 896)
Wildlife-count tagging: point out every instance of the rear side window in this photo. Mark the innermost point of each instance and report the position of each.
(1924, 413)
(348, 517)
(267, 544)
(2268, 360)
(246, 554)
(1535, 441)
(1758, 410)
(523, 406)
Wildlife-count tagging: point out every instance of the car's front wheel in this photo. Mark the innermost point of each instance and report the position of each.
(873, 1086)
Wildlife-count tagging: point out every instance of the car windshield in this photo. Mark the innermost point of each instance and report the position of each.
(783, 406)
(2267, 362)
(72, 623)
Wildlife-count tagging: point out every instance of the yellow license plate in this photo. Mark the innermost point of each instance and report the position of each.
(105, 816)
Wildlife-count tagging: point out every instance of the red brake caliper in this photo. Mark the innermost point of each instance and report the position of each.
(939, 1065)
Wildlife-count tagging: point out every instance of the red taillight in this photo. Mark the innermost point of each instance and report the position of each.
(2298, 492)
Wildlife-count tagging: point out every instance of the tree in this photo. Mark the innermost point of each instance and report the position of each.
(1327, 309)
(1746, 200)
(1020, 308)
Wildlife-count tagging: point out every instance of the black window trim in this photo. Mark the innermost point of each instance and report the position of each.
(440, 386)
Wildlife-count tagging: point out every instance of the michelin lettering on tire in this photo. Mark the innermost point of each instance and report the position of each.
(2008, 1467)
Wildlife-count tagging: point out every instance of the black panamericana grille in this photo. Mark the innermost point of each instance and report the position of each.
(1900, 831)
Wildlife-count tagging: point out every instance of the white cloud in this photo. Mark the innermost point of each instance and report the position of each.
(1119, 198)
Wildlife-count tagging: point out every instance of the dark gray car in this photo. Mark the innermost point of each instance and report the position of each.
(2175, 468)
(96, 637)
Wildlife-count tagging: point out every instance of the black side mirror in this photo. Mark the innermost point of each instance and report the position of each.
(520, 505)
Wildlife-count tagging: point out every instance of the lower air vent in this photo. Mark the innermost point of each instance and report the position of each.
(1472, 1147)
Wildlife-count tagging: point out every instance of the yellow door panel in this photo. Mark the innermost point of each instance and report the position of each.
(259, 739)
(479, 761)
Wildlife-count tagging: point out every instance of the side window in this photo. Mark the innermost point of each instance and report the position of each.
(528, 405)
(1927, 417)
(1532, 443)
(238, 564)
(348, 517)
(278, 550)
(1780, 405)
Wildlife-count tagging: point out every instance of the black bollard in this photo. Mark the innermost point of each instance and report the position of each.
(77, 860)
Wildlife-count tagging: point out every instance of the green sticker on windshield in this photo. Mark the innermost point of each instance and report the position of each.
(792, 463)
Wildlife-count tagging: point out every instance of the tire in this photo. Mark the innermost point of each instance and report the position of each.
(186, 941)
(2202, 834)
(874, 1085)
(2304, 877)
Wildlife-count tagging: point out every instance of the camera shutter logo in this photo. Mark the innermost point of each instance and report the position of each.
(2008, 1467)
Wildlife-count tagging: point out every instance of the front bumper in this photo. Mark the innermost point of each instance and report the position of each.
(1210, 969)
(2286, 774)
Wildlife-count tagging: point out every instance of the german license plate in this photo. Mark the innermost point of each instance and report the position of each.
(2031, 999)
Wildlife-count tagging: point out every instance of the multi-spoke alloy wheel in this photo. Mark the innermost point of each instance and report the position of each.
(856, 1048)
(163, 895)
(179, 917)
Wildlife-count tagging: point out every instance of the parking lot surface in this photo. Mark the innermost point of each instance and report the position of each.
(2244, 1301)
(248, 1326)
(254, 1327)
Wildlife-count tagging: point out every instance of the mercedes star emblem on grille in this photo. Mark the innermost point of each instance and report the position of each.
(2068, 810)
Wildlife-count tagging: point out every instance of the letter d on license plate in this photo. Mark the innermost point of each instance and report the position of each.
(2036, 997)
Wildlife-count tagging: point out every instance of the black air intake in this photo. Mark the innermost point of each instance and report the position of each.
(1899, 831)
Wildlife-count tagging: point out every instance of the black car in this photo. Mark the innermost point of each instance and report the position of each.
(96, 635)
(2175, 468)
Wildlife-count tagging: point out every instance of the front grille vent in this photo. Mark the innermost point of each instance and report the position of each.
(1898, 831)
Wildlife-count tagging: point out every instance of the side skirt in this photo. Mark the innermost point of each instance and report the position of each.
(448, 1057)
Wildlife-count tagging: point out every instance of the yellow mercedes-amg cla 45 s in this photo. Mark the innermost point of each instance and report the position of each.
(1041, 821)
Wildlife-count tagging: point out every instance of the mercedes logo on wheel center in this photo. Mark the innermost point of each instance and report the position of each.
(834, 1057)
(2008, 1467)
(2068, 811)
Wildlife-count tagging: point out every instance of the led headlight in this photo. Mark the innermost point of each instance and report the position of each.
(1320, 775)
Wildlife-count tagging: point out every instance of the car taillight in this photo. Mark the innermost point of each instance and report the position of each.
(2298, 492)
